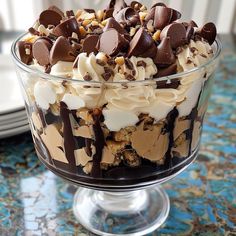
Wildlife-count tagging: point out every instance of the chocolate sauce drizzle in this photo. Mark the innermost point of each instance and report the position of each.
(193, 116)
(99, 144)
(171, 118)
(69, 142)
(41, 115)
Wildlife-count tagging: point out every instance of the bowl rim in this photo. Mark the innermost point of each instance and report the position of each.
(43, 75)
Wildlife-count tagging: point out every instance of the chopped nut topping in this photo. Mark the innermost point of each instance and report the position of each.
(156, 35)
(120, 61)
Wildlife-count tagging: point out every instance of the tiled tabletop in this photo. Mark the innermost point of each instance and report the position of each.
(34, 201)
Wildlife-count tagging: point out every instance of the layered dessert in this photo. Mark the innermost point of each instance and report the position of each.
(117, 93)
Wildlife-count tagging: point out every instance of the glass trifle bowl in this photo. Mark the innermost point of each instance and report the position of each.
(116, 101)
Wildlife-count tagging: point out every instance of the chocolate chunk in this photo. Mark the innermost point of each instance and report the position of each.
(56, 9)
(41, 51)
(129, 64)
(33, 31)
(177, 34)
(90, 44)
(151, 52)
(106, 76)
(208, 32)
(108, 13)
(23, 48)
(172, 69)
(70, 13)
(67, 27)
(142, 64)
(61, 51)
(172, 84)
(100, 62)
(175, 15)
(165, 55)
(142, 44)
(89, 10)
(162, 17)
(193, 24)
(87, 77)
(50, 17)
(128, 17)
(150, 15)
(117, 5)
(111, 42)
(129, 77)
(189, 33)
(112, 23)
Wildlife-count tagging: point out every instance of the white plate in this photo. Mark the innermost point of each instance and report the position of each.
(10, 94)
(13, 125)
(14, 115)
(13, 132)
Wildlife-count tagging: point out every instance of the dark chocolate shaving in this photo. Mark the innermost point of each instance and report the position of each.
(99, 144)
(171, 119)
(69, 141)
(172, 84)
(33, 31)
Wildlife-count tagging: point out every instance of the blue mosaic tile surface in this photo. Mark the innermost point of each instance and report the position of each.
(34, 201)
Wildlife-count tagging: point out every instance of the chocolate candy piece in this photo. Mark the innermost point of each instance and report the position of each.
(112, 23)
(111, 42)
(61, 51)
(127, 16)
(56, 9)
(24, 56)
(108, 13)
(177, 34)
(189, 33)
(165, 55)
(117, 5)
(50, 17)
(162, 17)
(90, 44)
(67, 27)
(41, 51)
(172, 69)
(151, 52)
(141, 43)
(208, 32)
